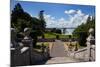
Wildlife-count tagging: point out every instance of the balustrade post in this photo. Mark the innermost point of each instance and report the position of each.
(90, 38)
(27, 41)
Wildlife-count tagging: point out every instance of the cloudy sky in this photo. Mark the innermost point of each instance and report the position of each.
(58, 15)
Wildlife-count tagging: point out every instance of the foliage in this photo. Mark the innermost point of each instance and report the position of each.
(56, 30)
(82, 30)
(21, 19)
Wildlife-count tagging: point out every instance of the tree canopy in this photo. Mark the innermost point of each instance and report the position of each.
(82, 30)
(21, 19)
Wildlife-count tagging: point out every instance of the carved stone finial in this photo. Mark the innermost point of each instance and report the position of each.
(91, 30)
(27, 31)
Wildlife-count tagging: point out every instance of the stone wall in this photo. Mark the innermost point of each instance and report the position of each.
(25, 58)
(20, 59)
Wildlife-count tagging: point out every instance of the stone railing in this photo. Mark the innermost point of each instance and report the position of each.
(22, 53)
(86, 53)
(83, 54)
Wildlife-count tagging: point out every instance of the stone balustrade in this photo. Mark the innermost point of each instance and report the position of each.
(86, 53)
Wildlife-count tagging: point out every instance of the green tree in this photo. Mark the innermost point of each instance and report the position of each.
(21, 19)
(42, 21)
(82, 30)
(38, 27)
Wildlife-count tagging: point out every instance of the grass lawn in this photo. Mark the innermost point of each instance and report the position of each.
(53, 35)
(50, 35)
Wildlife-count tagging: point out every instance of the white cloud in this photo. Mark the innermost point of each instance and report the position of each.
(51, 22)
(76, 19)
(70, 11)
(79, 12)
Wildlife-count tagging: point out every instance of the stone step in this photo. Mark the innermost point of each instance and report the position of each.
(57, 60)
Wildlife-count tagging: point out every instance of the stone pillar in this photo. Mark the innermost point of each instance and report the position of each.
(14, 46)
(64, 30)
(13, 38)
(61, 31)
(90, 39)
(27, 41)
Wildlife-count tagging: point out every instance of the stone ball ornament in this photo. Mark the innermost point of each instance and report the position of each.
(91, 30)
(27, 31)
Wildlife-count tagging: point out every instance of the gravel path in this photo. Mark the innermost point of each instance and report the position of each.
(59, 54)
(58, 49)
